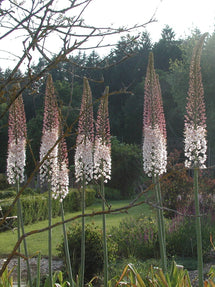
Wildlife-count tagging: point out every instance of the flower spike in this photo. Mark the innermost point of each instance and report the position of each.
(154, 126)
(17, 133)
(50, 135)
(195, 118)
(85, 138)
(102, 155)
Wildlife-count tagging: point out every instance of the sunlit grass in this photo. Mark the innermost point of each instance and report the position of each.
(38, 242)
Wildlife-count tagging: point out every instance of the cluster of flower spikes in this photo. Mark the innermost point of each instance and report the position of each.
(17, 133)
(102, 153)
(154, 126)
(195, 119)
(85, 138)
(50, 134)
(62, 188)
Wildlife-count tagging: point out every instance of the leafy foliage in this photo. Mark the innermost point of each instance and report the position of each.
(181, 236)
(35, 207)
(93, 249)
(137, 237)
(127, 167)
(176, 186)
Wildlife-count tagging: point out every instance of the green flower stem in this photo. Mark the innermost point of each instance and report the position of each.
(83, 235)
(24, 240)
(198, 229)
(18, 235)
(50, 235)
(161, 227)
(38, 270)
(162, 220)
(68, 262)
(104, 235)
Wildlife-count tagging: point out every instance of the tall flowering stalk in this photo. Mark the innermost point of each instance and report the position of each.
(61, 192)
(102, 163)
(84, 157)
(49, 153)
(155, 144)
(195, 137)
(17, 134)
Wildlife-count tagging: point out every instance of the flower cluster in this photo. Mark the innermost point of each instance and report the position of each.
(102, 161)
(195, 118)
(154, 152)
(85, 138)
(83, 159)
(62, 188)
(195, 146)
(17, 133)
(154, 125)
(102, 154)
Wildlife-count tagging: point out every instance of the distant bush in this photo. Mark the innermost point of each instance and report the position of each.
(112, 193)
(137, 237)
(35, 207)
(3, 182)
(93, 249)
(8, 193)
(127, 168)
(177, 186)
(181, 236)
(29, 191)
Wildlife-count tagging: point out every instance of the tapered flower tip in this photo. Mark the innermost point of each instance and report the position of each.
(86, 86)
(106, 91)
(49, 80)
(151, 61)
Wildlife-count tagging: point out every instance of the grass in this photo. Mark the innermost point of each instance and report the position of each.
(38, 242)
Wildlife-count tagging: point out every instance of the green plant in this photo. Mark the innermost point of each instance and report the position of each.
(130, 277)
(3, 182)
(112, 193)
(7, 193)
(181, 238)
(93, 249)
(176, 186)
(141, 266)
(35, 208)
(177, 277)
(126, 167)
(57, 280)
(137, 237)
(6, 280)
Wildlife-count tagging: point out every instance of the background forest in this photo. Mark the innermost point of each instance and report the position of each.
(126, 82)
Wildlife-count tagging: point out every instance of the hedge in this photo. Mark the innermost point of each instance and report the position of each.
(35, 208)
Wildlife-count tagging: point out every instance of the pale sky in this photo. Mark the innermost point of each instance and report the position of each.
(181, 15)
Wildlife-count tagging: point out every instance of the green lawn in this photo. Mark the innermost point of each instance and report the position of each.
(38, 242)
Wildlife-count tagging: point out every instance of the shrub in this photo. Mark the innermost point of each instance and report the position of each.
(29, 191)
(3, 182)
(73, 199)
(137, 237)
(93, 249)
(181, 236)
(127, 168)
(177, 186)
(112, 193)
(8, 193)
(35, 207)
